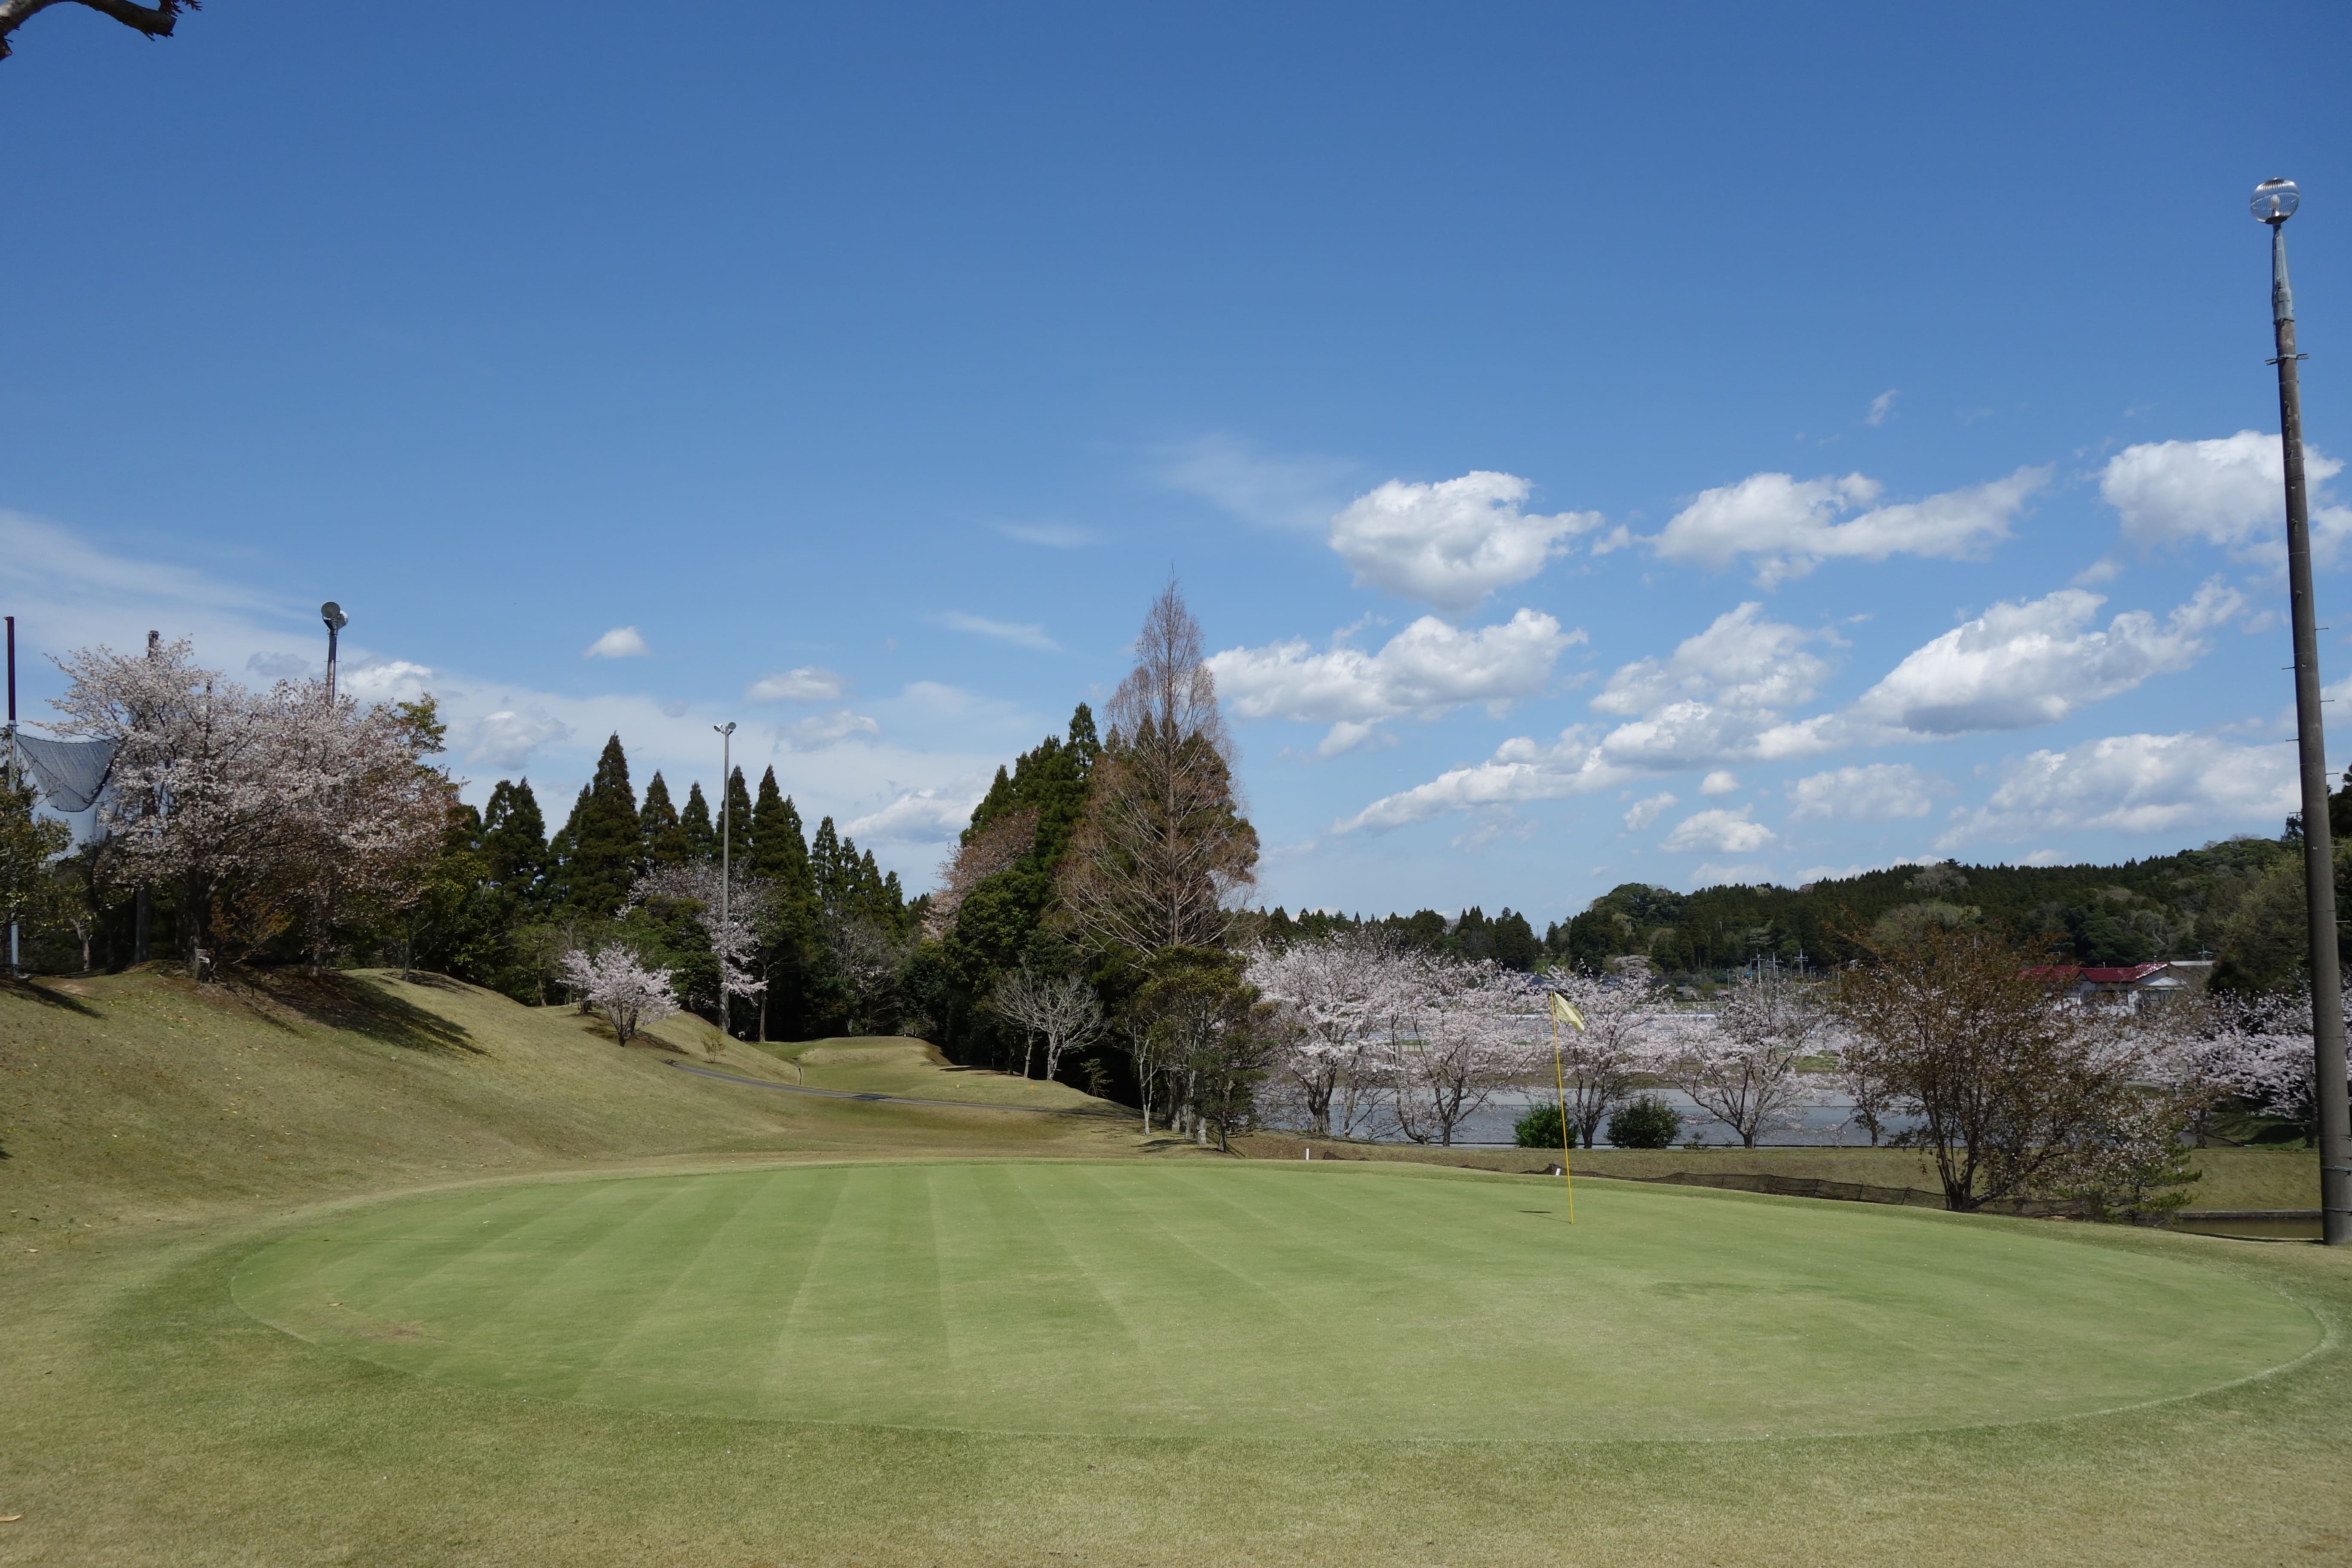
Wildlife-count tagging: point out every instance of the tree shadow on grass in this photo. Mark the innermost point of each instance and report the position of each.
(360, 1005)
(47, 997)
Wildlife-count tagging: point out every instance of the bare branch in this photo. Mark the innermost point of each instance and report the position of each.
(156, 21)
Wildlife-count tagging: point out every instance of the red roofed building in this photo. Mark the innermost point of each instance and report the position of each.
(2130, 987)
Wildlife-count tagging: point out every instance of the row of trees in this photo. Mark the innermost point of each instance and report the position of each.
(1953, 1041)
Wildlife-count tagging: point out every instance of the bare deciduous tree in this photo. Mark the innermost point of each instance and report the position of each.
(1063, 1012)
(865, 960)
(156, 21)
(1163, 852)
(2018, 1092)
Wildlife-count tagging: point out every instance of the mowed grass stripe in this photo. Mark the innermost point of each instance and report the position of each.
(1271, 1302)
(672, 1327)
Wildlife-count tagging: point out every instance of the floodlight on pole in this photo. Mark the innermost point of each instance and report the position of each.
(333, 613)
(726, 876)
(2275, 202)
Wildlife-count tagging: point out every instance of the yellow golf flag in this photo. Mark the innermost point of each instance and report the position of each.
(1563, 1011)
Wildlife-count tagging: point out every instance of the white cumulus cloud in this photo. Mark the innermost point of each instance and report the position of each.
(505, 739)
(1451, 544)
(1642, 813)
(2229, 492)
(1724, 696)
(1720, 781)
(809, 683)
(1791, 525)
(2033, 663)
(1427, 670)
(921, 815)
(1718, 830)
(1872, 793)
(621, 642)
(2193, 784)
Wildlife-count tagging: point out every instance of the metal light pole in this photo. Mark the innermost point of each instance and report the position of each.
(726, 800)
(2275, 201)
(333, 613)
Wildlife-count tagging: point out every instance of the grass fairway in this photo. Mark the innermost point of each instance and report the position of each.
(1256, 1301)
(966, 1338)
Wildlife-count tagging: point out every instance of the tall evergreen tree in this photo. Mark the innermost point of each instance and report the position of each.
(778, 850)
(832, 879)
(658, 824)
(737, 821)
(607, 844)
(694, 821)
(794, 964)
(563, 855)
(514, 844)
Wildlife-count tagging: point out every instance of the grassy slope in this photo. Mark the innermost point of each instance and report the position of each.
(2227, 1178)
(148, 1420)
(141, 1096)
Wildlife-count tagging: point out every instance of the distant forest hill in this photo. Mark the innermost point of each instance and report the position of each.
(2237, 902)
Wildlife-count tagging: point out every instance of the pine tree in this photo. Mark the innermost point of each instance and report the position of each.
(694, 821)
(825, 870)
(780, 853)
(563, 855)
(607, 845)
(737, 820)
(658, 825)
(514, 844)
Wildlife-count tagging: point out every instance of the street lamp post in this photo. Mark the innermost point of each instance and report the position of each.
(2275, 201)
(333, 613)
(726, 876)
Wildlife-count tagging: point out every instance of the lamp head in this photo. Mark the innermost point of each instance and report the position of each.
(333, 613)
(2275, 200)
(726, 729)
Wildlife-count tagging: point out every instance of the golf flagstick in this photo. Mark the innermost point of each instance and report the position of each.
(1563, 1011)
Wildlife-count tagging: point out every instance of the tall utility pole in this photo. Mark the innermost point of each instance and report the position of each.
(16, 968)
(726, 876)
(2275, 201)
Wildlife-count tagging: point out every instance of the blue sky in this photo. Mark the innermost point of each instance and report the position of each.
(876, 365)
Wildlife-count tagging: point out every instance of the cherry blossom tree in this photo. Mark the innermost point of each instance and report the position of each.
(1336, 1002)
(1625, 1025)
(1741, 1066)
(265, 808)
(733, 934)
(1473, 1029)
(629, 995)
(2256, 1049)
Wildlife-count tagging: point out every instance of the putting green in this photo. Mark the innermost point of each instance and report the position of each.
(1342, 1300)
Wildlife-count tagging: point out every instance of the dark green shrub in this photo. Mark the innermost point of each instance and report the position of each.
(1539, 1129)
(1648, 1123)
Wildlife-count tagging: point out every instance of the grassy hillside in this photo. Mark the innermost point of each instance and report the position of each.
(143, 1095)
